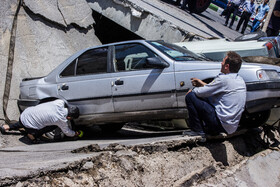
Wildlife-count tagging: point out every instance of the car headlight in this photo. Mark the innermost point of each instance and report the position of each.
(267, 75)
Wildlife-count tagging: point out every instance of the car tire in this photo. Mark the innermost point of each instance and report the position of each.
(251, 36)
(198, 6)
(253, 120)
(111, 128)
(57, 133)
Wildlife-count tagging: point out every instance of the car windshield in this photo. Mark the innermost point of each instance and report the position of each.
(176, 52)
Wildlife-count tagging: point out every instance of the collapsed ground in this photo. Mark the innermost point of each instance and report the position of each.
(171, 163)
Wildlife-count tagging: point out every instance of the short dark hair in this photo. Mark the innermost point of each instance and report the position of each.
(73, 111)
(234, 60)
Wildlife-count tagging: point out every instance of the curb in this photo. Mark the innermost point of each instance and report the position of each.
(216, 8)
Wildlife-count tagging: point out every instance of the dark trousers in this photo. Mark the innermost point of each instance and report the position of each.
(232, 9)
(35, 132)
(271, 32)
(245, 17)
(202, 115)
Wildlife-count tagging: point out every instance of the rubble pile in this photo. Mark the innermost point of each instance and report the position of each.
(176, 163)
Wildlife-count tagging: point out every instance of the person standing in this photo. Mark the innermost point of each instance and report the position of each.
(261, 12)
(217, 107)
(233, 8)
(274, 22)
(44, 118)
(224, 13)
(248, 9)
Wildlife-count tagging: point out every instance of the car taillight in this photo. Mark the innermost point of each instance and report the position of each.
(269, 45)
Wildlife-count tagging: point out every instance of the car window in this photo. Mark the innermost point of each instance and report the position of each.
(176, 52)
(131, 57)
(90, 62)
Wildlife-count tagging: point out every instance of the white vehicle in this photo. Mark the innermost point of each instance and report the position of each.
(216, 49)
(141, 80)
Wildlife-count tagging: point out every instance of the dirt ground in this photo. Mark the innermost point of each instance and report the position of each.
(172, 163)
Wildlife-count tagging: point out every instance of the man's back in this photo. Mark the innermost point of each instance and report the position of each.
(46, 114)
(227, 93)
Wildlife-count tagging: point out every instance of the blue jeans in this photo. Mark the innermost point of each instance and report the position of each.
(255, 26)
(202, 115)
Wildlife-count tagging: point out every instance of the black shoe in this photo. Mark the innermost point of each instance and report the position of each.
(32, 139)
(242, 32)
(225, 24)
(3, 130)
(230, 27)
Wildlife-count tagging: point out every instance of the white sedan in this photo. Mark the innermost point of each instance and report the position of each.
(216, 49)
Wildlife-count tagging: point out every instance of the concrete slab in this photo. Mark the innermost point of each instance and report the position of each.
(155, 19)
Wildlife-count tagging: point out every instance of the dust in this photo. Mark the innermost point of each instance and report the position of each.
(174, 163)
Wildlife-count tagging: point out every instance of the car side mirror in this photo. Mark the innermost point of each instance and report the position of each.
(155, 62)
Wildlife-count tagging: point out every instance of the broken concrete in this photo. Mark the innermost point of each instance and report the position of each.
(47, 33)
(146, 20)
(241, 160)
(63, 12)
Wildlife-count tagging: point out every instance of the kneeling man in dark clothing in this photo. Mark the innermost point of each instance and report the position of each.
(44, 118)
(217, 107)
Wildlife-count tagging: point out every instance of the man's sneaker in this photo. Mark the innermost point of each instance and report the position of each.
(202, 135)
(32, 139)
(193, 133)
(2, 129)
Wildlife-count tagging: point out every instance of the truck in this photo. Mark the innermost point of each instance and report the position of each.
(195, 6)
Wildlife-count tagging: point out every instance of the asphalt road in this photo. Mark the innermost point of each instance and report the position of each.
(221, 20)
(208, 24)
(211, 17)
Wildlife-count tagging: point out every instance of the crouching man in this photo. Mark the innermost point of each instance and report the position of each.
(217, 107)
(44, 118)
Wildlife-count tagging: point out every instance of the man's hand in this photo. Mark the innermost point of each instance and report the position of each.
(79, 134)
(189, 91)
(197, 82)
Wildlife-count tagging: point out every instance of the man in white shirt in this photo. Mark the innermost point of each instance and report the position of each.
(248, 9)
(44, 118)
(217, 107)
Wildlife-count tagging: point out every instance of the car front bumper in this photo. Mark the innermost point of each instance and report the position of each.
(262, 96)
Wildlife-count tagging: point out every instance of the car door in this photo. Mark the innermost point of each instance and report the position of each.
(86, 82)
(137, 87)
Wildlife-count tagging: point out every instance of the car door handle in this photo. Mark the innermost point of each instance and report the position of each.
(64, 87)
(118, 82)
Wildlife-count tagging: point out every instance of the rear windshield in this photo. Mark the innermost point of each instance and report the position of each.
(176, 52)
